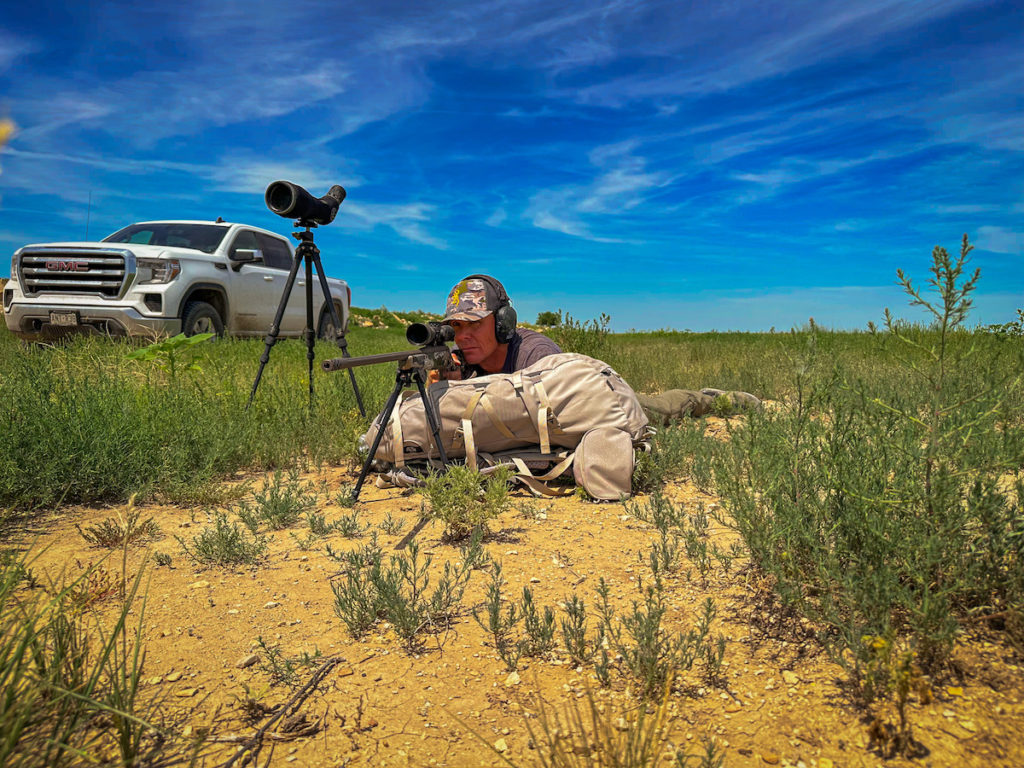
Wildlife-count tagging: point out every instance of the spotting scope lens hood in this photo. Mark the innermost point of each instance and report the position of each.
(294, 202)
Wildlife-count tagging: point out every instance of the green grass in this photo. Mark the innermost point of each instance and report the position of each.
(94, 426)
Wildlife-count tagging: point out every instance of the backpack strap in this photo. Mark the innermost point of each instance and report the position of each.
(396, 438)
(537, 483)
(467, 429)
(495, 420)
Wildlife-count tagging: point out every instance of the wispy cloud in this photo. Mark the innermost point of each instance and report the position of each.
(11, 49)
(497, 217)
(621, 184)
(405, 220)
(1000, 240)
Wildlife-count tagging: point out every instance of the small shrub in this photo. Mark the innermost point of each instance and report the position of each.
(281, 669)
(397, 592)
(345, 497)
(162, 559)
(279, 503)
(349, 526)
(574, 630)
(474, 556)
(500, 623)
(591, 338)
(391, 525)
(225, 543)
(538, 627)
(465, 500)
(722, 405)
(589, 733)
(123, 530)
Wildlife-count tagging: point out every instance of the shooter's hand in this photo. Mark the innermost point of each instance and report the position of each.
(451, 375)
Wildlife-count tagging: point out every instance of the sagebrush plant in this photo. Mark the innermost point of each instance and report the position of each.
(465, 500)
(678, 451)
(896, 500)
(279, 503)
(398, 591)
(127, 528)
(538, 627)
(281, 669)
(649, 652)
(391, 525)
(500, 621)
(587, 732)
(225, 543)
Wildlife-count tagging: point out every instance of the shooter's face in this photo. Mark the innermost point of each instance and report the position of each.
(475, 339)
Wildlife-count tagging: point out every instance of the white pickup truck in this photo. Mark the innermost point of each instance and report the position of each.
(162, 278)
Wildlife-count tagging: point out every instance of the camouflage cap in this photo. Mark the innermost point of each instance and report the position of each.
(471, 299)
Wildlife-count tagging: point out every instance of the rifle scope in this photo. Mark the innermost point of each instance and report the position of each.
(429, 334)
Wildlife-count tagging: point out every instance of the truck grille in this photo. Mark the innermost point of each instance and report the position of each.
(88, 271)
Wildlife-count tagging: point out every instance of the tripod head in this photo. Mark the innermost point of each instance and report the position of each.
(305, 237)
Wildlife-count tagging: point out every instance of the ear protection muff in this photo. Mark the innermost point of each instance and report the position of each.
(505, 317)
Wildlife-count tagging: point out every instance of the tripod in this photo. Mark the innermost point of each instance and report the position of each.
(413, 368)
(306, 253)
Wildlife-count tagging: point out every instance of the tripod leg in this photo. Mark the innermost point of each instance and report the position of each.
(271, 338)
(339, 336)
(385, 417)
(431, 417)
(309, 334)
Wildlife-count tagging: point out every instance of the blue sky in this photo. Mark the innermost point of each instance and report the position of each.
(729, 165)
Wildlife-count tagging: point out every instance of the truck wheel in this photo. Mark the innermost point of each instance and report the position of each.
(200, 317)
(325, 328)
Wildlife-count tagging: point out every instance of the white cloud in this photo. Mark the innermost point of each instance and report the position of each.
(1000, 240)
(620, 186)
(403, 219)
(12, 49)
(497, 217)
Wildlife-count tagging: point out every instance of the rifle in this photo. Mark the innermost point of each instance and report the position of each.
(413, 365)
(432, 353)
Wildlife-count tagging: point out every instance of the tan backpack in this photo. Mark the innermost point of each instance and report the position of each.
(564, 401)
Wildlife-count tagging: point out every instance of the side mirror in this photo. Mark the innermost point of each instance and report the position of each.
(242, 256)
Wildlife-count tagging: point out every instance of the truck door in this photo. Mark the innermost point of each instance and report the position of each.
(256, 291)
(278, 256)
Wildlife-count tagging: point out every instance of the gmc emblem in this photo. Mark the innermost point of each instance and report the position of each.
(67, 266)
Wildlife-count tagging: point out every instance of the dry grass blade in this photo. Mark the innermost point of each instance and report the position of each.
(587, 734)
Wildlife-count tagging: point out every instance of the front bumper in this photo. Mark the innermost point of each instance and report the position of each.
(32, 321)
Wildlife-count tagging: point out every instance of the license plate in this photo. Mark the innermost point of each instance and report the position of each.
(63, 318)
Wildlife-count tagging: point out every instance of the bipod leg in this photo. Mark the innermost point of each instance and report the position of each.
(271, 338)
(340, 339)
(401, 380)
(435, 428)
(309, 334)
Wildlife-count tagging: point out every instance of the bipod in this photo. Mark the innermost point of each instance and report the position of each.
(405, 375)
(306, 253)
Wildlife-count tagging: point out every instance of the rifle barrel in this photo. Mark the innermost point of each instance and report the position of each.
(344, 363)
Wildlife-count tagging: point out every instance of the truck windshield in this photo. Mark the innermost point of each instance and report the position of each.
(199, 237)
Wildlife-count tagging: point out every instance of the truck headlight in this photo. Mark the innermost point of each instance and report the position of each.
(158, 270)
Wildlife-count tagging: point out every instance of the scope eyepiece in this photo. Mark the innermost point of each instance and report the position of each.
(294, 202)
(429, 334)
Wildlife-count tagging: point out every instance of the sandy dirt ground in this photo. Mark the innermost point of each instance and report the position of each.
(779, 700)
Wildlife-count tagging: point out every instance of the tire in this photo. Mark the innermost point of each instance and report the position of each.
(325, 328)
(200, 317)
